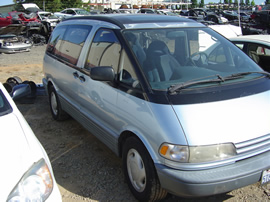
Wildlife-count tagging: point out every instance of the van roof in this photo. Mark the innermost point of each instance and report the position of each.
(130, 20)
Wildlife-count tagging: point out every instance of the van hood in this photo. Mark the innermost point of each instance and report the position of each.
(16, 156)
(234, 120)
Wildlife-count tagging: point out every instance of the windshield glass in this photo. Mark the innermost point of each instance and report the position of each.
(82, 12)
(177, 55)
(5, 108)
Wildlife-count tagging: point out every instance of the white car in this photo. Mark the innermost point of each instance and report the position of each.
(69, 12)
(48, 17)
(26, 173)
(257, 47)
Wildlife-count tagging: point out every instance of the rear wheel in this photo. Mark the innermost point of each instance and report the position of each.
(140, 172)
(57, 112)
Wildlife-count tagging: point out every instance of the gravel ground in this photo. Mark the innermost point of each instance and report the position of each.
(84, 168)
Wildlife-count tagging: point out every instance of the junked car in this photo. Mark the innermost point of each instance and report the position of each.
(11, 41)
(69, 12)
(26, 172)
(186, 117)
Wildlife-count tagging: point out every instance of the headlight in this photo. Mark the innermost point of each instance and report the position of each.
(197, 154)
(7, 44)
(35, 185)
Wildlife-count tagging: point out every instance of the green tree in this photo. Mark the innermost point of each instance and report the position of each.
(241, 2)
(247, 2)
(267, 2)
(202, 4)
(194, 3)
(253, 3)
(226, 1)
(236, 2)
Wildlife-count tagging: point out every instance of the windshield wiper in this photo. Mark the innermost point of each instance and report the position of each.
(172, 89)
(237, 75)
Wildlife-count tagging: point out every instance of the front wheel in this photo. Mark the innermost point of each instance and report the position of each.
(57, 112)
(140, 173)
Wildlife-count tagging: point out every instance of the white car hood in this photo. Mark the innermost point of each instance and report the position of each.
(233, 120)
(16, 156)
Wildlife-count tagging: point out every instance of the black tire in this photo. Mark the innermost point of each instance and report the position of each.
(55, 106)
(14, 79)
(140, 172)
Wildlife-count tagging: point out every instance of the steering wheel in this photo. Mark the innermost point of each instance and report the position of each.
(199, 58)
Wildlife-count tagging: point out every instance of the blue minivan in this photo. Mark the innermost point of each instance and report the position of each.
(186, 110)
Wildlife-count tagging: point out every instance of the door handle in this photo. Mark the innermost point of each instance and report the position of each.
(75, 74)
(82, 79)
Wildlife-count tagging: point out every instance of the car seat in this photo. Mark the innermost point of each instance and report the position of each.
(160, 65)
(252, 52)
(136, 47)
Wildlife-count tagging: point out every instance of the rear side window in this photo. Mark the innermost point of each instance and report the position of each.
(68, 46)
(53, 46)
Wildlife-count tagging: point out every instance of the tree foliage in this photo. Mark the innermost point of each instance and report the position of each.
(202, 4)
(194, 3)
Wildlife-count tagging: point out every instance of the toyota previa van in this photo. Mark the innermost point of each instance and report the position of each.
(186, 110)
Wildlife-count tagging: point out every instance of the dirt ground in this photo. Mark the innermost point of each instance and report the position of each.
(84, 168)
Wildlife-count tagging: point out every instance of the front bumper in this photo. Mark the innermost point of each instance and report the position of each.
(15, 48)
(213, 181)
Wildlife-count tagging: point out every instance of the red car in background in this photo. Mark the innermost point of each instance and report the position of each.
(15, 17)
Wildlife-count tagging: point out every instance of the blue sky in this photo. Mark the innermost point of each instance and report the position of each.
(258, 2)
(5, 2)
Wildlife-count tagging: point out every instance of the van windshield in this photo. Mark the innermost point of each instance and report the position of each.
(173, 56)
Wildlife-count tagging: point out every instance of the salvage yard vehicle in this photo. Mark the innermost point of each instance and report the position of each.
(257, 47)
(13, 44)
(186, 117)
(26, 172)
(69, 12)
(9, 18)
(11, 41)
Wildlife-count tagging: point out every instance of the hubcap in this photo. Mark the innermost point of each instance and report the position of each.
(136, 170)
(54, 103)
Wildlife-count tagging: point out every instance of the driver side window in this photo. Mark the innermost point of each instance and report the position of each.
(127, 74)
(104, 51)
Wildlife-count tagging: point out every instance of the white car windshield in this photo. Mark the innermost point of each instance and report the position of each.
(177, 55)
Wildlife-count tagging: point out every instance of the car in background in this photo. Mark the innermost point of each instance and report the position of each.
(244, 17)
(257, 47)
(69, 12)
(49, 20)
(230, 15)
(148, 11)
(11, 43)
(167, 12)
(26, 172)
(9, 18)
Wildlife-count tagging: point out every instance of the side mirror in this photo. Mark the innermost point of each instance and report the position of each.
(20, 91)
(102, 73)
